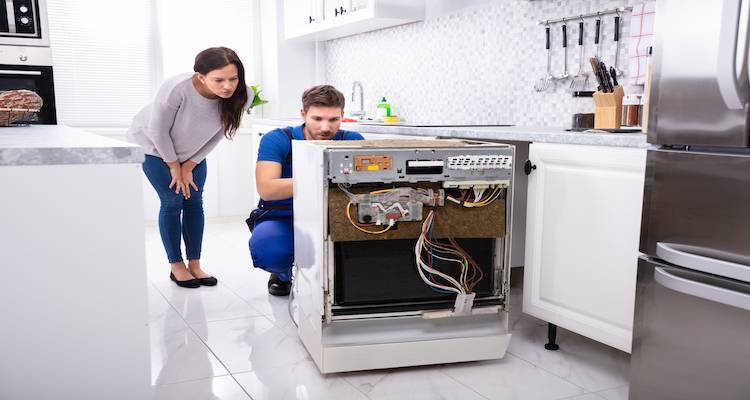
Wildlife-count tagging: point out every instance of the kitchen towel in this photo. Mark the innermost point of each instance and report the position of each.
(641, 38)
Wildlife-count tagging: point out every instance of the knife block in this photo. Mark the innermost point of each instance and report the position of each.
(608, 113)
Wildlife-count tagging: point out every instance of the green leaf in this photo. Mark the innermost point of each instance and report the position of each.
(257, 100)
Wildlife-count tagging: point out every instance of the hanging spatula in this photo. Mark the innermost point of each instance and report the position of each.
(581, 79)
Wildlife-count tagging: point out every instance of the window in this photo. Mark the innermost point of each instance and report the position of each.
(109, 58)
(103, 60)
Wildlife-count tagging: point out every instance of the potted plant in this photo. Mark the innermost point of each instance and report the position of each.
(247, 119)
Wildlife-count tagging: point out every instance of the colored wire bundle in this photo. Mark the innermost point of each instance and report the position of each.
(427, 249)
(361, 227)
(477, 197)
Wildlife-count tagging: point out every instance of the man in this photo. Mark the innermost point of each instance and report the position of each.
(272, 241)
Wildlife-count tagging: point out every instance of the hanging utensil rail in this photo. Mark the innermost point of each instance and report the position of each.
(588, 15)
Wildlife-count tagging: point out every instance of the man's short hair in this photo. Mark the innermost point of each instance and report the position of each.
(322, 96)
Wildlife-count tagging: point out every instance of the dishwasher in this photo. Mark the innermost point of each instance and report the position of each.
(401, 251)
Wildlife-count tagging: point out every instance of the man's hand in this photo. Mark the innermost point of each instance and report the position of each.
(187, 177)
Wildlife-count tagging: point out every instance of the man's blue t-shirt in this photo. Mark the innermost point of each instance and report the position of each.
(275, 146)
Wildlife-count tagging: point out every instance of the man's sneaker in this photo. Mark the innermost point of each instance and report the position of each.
(277, 287)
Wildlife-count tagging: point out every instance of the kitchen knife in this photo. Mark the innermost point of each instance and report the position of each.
(597, 74)
(606, 78)
(613, 74)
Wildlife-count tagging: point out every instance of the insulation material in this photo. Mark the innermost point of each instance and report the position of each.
(452, 219)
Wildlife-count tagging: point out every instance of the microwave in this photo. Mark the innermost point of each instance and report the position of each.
(24, 23)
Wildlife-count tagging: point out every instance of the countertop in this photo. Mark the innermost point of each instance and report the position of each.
(511, 133)
(59, 144)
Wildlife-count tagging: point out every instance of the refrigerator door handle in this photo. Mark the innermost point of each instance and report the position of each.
(671, 253)
(726, 75)
(702, 290)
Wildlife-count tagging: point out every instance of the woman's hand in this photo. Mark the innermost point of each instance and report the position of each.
(187, 177)
(177, 182)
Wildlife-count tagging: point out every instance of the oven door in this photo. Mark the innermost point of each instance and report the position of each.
(38, 79)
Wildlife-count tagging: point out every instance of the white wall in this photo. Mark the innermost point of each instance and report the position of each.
(474, 62)
(110, 57)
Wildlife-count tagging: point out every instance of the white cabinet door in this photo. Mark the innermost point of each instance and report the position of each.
(297, 13)
(336, 8)
(582, 233)
(340, 18)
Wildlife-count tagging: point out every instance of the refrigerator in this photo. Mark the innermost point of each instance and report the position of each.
(691, 330)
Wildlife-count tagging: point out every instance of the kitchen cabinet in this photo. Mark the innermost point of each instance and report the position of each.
(582, 233)
(330, 19)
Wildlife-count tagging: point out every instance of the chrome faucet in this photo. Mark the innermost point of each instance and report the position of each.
(361, 112)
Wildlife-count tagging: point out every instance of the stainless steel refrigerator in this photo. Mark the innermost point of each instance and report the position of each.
(691, 333)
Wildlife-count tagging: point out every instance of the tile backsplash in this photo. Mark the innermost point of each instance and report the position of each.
(477, 65)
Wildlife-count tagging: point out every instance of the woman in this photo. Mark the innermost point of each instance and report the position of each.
(189, 116)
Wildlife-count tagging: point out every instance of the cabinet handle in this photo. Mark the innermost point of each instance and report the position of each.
(341, 10)
(528, 167)
(335, 12)
(311, 19)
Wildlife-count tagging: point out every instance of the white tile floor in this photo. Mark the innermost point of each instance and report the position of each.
(234, 341)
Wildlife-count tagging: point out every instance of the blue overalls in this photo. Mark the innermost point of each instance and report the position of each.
(272, 241)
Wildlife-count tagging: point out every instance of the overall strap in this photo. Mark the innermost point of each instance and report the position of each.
(289, 135)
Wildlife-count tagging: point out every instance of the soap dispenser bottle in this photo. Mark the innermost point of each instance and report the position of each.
(383, 109)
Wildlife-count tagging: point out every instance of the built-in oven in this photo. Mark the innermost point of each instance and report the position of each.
(23, 22)
(31, 69)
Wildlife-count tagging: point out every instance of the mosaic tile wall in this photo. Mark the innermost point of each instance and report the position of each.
(477, 65)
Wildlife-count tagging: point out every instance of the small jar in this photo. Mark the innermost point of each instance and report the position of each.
(631, 110)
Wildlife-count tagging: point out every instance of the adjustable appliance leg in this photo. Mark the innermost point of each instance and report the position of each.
(551, 337)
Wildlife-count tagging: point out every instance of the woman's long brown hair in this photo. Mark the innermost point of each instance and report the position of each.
(230, 110)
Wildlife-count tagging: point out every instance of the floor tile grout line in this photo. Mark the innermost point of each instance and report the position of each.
(584, 391)
(354, 387)
(191, 380)
(203, 341)
(582, 394)
(555, 374)
(440, 369)
(539, 366)
(598, 392)
(240, 385)
(195, 333)
(229, 319)
(360, 391)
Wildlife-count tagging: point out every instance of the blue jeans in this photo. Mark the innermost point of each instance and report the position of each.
(272, 244)
(190, 229)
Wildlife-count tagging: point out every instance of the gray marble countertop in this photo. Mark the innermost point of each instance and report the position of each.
(59, 144)
(510, 133)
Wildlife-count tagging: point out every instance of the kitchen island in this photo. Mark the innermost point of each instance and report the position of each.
(74, 305)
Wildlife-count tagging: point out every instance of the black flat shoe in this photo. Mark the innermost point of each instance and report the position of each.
(190, 283)
(210, 281)
(277, 287)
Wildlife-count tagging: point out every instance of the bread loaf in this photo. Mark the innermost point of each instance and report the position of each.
(18, 100)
